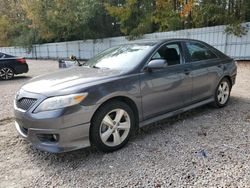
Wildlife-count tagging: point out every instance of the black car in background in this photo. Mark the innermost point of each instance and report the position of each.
(11, 65)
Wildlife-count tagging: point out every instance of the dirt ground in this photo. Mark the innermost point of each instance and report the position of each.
(205, 147)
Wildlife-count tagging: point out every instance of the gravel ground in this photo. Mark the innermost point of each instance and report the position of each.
(205, 147)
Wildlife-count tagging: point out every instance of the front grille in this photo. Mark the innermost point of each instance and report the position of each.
(25, 103)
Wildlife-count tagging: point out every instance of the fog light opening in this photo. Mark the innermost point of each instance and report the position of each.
(55, 137)
(48, 137)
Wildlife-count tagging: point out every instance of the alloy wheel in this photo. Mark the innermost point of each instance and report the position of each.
(223, 92)
(6, 73)
(115, 127)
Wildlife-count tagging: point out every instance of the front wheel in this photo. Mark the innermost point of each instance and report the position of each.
(112, 126)
(222, 93)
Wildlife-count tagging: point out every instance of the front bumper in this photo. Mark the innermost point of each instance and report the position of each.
(233, 79)
(54, 131)
(67, 139)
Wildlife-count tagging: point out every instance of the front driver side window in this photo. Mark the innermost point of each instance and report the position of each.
(169, 52)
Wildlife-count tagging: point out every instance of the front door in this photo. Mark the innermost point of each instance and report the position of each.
(169, 88)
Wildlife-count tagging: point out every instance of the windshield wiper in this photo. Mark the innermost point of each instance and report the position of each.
(95, 67)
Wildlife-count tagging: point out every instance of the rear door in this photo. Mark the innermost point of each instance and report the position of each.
(169, 88)
(205, 67)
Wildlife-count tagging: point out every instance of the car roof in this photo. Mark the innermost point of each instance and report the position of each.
(160, 41)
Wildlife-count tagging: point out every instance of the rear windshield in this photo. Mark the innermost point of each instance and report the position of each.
(3, 55)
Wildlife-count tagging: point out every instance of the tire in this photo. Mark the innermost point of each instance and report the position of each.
(6, 73)
(222, 93)
(112, 126)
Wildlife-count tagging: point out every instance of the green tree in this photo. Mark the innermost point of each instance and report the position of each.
(13, 24)
(134, 16)
(25, 22)
(166, 15)
(222, 12)
(62, 20)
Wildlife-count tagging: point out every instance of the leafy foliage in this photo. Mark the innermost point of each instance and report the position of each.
(166, 15)
(25, 22)
(134, 16)
(13, 25)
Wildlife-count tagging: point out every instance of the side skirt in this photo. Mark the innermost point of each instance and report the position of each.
(173, 113)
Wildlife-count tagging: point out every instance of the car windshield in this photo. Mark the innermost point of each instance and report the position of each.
(125, 57)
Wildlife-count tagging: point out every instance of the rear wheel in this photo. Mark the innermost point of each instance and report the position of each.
(222, 93)
(6, 73)
(112, 126)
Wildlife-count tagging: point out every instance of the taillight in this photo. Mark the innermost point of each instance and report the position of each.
(21, 60)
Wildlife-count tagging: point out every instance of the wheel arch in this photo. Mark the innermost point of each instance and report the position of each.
(7, 65)
(228, 77)
(127, 100)
(216, 102)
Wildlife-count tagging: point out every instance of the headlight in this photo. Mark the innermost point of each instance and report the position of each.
(58, 102)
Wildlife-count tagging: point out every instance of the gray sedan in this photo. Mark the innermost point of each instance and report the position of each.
(120, 90)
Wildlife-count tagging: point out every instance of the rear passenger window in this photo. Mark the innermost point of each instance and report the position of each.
(199, 52)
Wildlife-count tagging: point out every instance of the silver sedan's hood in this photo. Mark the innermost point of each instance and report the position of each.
(65, 80)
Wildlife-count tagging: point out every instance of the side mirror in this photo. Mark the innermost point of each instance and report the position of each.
(72, 57)
(156, 64)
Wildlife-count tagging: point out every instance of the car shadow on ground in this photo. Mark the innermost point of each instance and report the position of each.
(16, 78)
(82, 156)
(21, 77)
